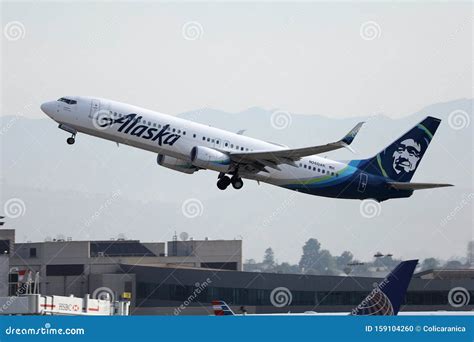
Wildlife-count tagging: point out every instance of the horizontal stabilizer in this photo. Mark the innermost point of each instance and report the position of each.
(416, 186)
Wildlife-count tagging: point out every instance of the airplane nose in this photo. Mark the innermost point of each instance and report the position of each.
(47, 108)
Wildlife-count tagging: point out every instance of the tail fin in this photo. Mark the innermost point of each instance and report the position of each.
(221, 308)
(400, 159)
(386, 298)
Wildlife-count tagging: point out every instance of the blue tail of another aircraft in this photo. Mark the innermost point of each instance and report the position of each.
(387, 296)
(400, 159)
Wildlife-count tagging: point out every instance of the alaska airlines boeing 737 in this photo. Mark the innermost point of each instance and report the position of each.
(187, 147)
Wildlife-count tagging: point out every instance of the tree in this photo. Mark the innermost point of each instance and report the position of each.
(429, 264)
(326, 263)
(286, 267)
(470, 253)
(250, 261)
(453, 265)
(269, 259)
(345, 258)
(311, 250)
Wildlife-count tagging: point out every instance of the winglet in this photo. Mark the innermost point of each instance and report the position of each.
(352, 133)
(221, 308)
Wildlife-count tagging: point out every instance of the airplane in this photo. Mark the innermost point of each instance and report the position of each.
(384, 300)
(188, 147)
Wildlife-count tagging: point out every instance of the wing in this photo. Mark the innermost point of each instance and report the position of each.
(416, 186)
(289, 156)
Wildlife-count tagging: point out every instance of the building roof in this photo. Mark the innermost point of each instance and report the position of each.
(119, 248)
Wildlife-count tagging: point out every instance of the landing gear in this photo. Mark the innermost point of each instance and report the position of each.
(223, 182)
(72, 139)
(237, 182)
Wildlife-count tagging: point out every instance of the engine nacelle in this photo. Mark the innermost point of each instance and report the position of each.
(176, 164)
(208, 158)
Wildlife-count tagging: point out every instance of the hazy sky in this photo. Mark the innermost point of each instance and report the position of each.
(339, 60)
(332, 59)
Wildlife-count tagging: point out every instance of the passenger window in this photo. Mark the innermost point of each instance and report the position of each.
(212, 140)
(232, 146)
(208, 139)
(184, 132)
(194, 135)
(304, 166)
(226, 144)
(203, 138)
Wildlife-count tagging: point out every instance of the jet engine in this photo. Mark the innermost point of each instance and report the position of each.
(209, 158)
(176, 164)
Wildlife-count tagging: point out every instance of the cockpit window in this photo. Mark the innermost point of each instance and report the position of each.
(68, 101)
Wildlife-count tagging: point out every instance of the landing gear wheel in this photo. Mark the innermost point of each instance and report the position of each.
(71, 140)
(223, 183)
(237, 183)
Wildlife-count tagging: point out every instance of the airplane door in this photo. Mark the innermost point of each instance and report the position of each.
(95, 107)
(363, 180)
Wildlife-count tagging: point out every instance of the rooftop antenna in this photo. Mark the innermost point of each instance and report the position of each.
(184, 236)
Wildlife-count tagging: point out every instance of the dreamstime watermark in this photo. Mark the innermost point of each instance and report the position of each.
(289, 201)
(281, 119)
(198, 288)
(460, 206)
(192, 208)
(370, 208)
(280, 297)
(14, 208)
(378, 289)
(459, 119)
(23, 288)
(370, 30)
(103, 293)
(103, 207)
(5, 128)
(45, 330)
(192, 30)
(102, 119)
(458, 297)
(14, 30)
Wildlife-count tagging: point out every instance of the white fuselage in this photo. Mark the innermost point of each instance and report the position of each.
(181, 136)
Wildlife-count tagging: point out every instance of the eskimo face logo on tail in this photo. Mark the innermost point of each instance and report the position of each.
(406, 156)
(133, 125)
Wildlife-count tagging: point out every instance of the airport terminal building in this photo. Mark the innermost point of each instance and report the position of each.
(183, 277)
